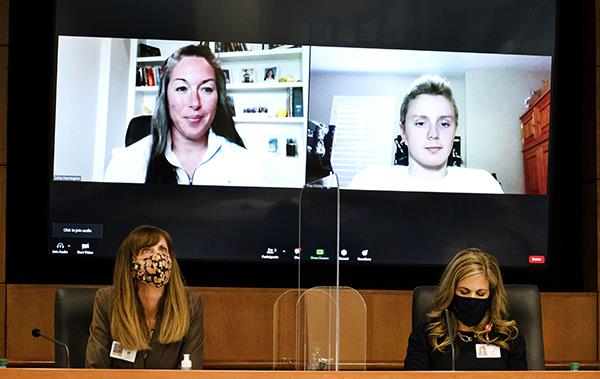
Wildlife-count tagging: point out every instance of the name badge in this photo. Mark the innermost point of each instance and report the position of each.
(487, 351)
(119, 352)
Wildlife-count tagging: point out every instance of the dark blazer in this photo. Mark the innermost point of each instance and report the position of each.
(421, 356)
(159, 356)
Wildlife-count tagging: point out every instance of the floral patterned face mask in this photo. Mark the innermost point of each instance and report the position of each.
(154, 269)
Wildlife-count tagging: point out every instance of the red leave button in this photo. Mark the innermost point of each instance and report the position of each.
(537, 259)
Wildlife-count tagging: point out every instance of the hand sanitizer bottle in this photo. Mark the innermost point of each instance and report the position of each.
(186, 364)
(315, 357)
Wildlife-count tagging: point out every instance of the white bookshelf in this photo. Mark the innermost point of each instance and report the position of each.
(259, 130)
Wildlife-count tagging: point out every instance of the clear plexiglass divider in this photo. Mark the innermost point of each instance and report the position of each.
(319, 327)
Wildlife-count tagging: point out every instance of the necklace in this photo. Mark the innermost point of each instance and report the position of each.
(464, 338)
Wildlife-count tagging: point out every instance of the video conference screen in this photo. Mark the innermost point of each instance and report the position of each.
(303, 113)
(413, 176)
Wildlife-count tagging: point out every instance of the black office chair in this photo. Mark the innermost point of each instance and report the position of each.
(138, 128)
(523, 306)
(318, 163)
(73, 309)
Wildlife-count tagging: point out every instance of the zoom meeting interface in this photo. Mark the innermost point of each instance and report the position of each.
(306, 114)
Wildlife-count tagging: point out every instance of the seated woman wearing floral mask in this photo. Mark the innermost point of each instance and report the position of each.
(147, 318)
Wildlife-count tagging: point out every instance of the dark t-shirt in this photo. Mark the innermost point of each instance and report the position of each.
(421, 356)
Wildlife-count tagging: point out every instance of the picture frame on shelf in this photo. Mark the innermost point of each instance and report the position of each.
(270, 73)
(273, 145)
(248, 75)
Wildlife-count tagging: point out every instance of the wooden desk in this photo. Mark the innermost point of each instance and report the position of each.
(48, 373)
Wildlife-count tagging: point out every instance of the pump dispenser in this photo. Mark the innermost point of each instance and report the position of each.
(186, 363)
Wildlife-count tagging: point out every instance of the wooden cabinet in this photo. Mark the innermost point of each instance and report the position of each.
(535, 127)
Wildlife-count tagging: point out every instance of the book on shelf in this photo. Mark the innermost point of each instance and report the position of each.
(139, 77)
(297, 102)
(224, 47)
(295, 106)
(151, 77)
(148, 76)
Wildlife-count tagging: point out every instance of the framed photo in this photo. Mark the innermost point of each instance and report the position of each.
(270, 73)
(248, 75)
(227, 77)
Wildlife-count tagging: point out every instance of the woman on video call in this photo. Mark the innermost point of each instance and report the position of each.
(428, 121)
(147, 318)
(193, 139)
(469, 322)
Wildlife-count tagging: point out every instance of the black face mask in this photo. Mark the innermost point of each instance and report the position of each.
(470, 310)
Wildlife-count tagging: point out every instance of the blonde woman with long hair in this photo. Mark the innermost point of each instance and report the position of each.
(148, 318)
(471, 303)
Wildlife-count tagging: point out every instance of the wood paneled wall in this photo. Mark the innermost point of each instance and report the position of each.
(28, 373)
(239, 322)
(239, 325)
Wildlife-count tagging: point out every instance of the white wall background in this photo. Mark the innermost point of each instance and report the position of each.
(117, 121)
(77, 70)
(91, 101)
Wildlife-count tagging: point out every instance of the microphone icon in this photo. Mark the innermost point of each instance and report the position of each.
(38, 333)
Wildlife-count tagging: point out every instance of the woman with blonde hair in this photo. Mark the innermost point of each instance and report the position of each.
(147, 318)
(469, 317)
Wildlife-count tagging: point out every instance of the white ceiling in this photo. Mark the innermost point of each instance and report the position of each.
(344, 59)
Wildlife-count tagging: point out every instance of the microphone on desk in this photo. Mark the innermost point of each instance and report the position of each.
(450, 334)
(38, 333)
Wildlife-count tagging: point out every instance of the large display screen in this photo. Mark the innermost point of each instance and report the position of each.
(352, 129)
(310, 94)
